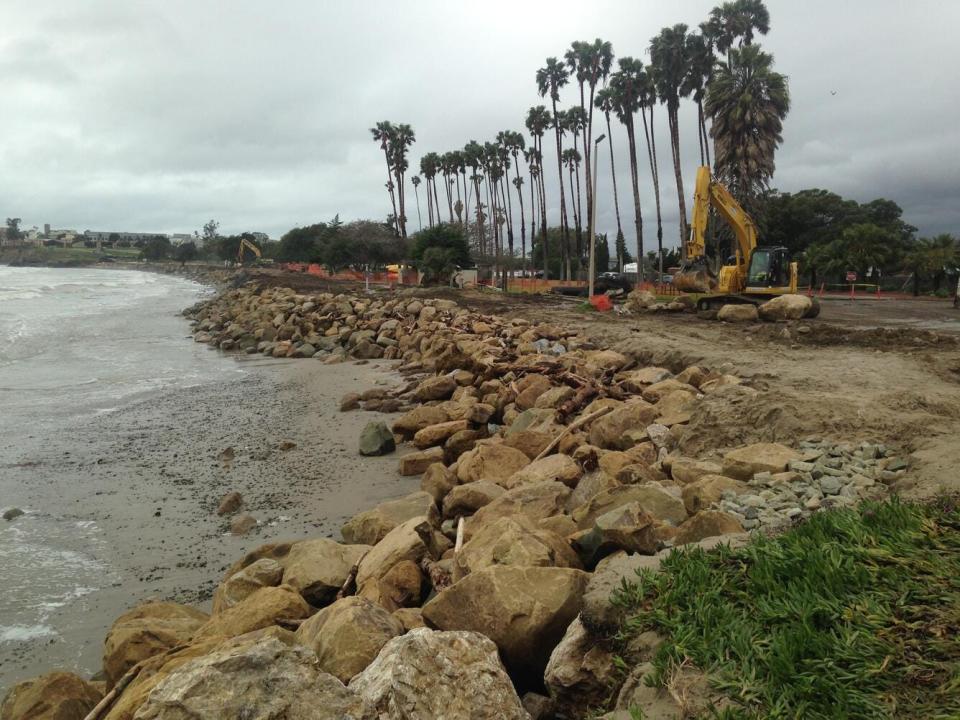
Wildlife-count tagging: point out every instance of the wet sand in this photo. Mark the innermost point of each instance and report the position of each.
(148, 478)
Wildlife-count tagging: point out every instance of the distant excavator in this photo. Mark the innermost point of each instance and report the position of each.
(754, 274)
(246, 244)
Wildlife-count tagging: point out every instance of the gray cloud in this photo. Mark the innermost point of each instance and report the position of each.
(158, 115)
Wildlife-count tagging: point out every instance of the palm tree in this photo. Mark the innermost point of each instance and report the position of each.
(628, 84)
(734, 23)
(400, 142)
(699, 73)
(382, 133)
(571, 159)
(538, 120)
(415, 181)
(456, 158)
(591, 62)
(747, 101)
(575, 120)
(514, 144)
(606, 103)
(550, 79)
(429, 164)
(669, 57)
(473, 158)
(447, 165)
(533, 167)
(648, 101)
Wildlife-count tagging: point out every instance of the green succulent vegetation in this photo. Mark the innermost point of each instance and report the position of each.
(853, 614)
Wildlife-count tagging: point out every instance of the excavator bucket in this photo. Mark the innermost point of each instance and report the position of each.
(695, 277)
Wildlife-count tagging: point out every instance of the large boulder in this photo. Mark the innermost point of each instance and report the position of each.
(416, 463)
(418, 418)
(591, 484)
(427, 675)
(687, 470)
(317, 568)
(659, 391)
(580, 672)
(145, 631)
(536, 501)
(653, 499)
(524, 610)
(54, 696)
(530, 442)
(435, 388)
(559, 468)
(438, 434)
(515, 541)
(401, 543)
(264, 572)
(627, 527)
(256, 678)
(467, 499)
(371, 526)
(608, 431)
(786, 307)
(600, 613)
(738, 312)
(376, 439)
(401, 586)
(743, 463)
(530, 388)
(347, 635)
(438, 480)
(708, 490)
(260, 609)
(707, 524)
(636, 381)
(491, 461)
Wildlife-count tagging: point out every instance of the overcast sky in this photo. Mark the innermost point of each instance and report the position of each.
(150, 115)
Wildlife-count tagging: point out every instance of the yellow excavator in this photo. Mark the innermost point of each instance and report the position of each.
(246, 244)
(753, 275)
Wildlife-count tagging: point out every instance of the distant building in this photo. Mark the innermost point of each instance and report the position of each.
(178, 239)
(124, 239)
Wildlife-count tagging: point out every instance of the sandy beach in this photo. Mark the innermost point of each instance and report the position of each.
(144, 482)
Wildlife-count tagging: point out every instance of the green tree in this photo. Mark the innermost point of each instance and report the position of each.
(572, 159)
(415, 181)
(747, 102)
(156, 249)
(734, 23)
(575, 122)
(550, 79)
(670, 61)
(429, 167)
(400, 141)
(210, 231)
(13, 233)
(186, 252)
(439, 250)
(699, 75)
(932, 259)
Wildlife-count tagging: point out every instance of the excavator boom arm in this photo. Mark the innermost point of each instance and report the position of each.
(707, 194)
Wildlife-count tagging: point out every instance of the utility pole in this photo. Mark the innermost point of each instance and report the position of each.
(593, 220)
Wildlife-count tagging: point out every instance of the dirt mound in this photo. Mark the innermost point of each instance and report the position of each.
(740, 415)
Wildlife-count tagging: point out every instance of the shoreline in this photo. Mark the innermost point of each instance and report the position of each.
(159, 454)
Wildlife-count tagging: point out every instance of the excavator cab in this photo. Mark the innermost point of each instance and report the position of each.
(769, 268)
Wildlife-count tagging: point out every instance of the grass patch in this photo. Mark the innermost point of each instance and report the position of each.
(853, 614)
(66, 255)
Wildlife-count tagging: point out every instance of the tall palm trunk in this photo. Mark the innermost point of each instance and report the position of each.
(543, 215)
(637, 217)
(436, 200)
(466, 199)
(588, 172)
(655, 176)
(416, 192)
(672, 107)
(459, 199)
(393, 199)
(534, 210)
(504, 182)
(616, 199)
(578, 207)
(703, 130)
(402, 220)
(564, 227)
(446, 182)
(523, 221)
(576, 215)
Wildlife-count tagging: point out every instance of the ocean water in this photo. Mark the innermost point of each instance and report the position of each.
(75, 344)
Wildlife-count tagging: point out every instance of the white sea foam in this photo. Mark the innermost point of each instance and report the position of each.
(25, 633)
